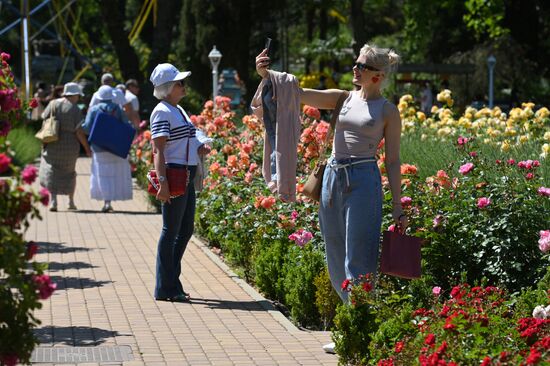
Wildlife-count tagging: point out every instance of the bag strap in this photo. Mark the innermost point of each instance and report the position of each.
(188, 138)
(335, 114)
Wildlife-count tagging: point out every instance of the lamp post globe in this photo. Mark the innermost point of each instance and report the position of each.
(215, 57)
(491, 61)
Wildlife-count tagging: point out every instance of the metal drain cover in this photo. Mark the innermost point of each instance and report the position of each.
(81, 354)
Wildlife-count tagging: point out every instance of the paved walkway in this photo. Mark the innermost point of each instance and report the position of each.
(104, 267)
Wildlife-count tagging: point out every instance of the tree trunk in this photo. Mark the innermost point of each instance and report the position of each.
(310, 18)
(358, 25)
(112, 12)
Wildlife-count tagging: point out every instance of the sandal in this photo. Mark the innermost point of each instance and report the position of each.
(178, 298)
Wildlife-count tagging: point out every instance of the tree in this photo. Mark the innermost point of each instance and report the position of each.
(113, 13)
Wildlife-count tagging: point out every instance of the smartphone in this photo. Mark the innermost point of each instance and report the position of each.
(268, 45)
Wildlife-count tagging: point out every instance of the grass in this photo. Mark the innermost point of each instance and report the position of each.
(429, 156)
(26, 147)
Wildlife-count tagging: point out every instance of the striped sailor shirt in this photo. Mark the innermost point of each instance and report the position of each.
(174, 123)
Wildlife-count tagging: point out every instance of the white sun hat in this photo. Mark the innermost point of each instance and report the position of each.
(105, 93)
(72, 89)
(165, 73)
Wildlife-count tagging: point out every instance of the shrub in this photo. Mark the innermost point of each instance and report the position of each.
(326, 299)
(22, 282)
(300, 269)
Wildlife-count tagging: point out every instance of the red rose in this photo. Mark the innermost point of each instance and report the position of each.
(33, 103)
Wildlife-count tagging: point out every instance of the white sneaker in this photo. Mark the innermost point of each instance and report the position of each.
(329, 348)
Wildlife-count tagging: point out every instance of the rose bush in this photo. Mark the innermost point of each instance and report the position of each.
(22, 281)
(482, 221)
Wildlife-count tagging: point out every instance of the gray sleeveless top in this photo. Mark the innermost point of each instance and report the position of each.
(359, 127)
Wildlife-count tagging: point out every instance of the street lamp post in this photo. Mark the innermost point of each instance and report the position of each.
(491, 61)
(215, 56)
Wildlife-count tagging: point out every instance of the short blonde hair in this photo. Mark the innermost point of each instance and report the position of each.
(384, 59)
(161, 92)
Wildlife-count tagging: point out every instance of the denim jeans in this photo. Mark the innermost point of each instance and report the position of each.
(178, 219)
(350, 215)
(270, 123)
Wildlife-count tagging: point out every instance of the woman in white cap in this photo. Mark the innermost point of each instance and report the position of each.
(58, 159)
(111, 177)
(175, 145)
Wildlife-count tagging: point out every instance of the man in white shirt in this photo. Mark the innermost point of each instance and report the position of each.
(132, 91)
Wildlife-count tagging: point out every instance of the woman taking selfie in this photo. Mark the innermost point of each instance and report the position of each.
(350, 211)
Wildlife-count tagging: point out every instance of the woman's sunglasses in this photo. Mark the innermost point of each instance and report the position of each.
(361, 66)
(181, 83)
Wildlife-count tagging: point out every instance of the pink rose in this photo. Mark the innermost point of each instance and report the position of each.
(45, 286)
(406, 201)
(466, 168)
(473, 154)
(529, 176)
(436, 290)
(511, 162)
(44, 196)
(29, 174)
(294, 215)
(543, 191)
(462, 140)
(5, 56)
(544, 241)
(483, 202)
(392, 227)
(5, 162)
(301, 237)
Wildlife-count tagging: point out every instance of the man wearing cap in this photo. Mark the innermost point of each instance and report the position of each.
(58, 159)
(111, 178)
(176, 145)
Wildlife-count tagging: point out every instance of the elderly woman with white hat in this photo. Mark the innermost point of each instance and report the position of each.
(58, 159)
(176, 145)
(111, 177)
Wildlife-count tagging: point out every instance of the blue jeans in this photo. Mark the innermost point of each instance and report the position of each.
(178, 219)
(350, 215)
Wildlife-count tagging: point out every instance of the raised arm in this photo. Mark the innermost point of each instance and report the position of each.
(392, 134)
(322, 99)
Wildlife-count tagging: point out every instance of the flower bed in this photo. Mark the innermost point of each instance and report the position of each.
(22, 281)
(485, 219)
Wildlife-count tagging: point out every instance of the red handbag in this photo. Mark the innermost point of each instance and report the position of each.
(401, 255)
(177, 178)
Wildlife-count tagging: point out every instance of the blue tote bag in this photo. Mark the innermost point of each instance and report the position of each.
(112, 134)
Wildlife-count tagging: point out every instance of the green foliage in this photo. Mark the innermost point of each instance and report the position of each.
(25, 146)
(497, 242)
(485, 18)
(326, 298)
(301, 268)
(269, 272)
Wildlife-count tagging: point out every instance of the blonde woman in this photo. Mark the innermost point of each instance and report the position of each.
(350, 211)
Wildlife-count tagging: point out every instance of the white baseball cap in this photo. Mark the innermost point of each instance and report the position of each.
(165, 73)
(72, 89)
(105, 93)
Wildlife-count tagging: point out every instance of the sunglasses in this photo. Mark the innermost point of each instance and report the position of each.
(181, 83)
(361, 66)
